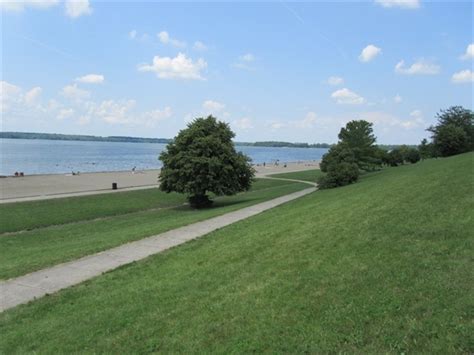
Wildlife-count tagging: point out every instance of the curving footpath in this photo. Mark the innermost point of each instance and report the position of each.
(40, 283)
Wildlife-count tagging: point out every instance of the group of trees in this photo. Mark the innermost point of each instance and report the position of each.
(202, 159)
(356, 150)
(453, 134)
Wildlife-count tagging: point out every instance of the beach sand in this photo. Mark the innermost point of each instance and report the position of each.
(39, 187)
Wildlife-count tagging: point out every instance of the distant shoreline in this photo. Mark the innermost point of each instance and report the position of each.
(125, 139)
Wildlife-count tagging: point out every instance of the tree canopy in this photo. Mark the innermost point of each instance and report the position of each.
(454, 132)
(202, 159)
(356, 150)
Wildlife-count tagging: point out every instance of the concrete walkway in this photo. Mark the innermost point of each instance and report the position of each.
(40, 283)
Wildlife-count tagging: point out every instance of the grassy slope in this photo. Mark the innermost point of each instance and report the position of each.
(307, 175)
(384, 265)
(24, 252)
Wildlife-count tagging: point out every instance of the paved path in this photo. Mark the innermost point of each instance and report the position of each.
(37, 284)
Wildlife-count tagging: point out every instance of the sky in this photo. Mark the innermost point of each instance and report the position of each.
(288, 71)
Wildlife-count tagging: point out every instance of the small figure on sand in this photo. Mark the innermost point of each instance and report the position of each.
(133, 169)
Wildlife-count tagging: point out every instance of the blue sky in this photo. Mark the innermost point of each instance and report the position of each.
(274, 70)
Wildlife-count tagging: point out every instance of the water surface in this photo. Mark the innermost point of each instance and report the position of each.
(37, 156)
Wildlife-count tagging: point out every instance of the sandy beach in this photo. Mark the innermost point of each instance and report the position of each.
(39, 187)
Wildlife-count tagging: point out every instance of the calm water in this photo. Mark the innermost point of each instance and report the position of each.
(33, 156)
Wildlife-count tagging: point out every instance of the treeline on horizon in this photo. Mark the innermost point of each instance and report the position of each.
(125, 139)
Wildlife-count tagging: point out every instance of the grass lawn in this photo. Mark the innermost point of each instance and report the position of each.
(307, 175)
(32, 250)
(381, 266)
(34, 214)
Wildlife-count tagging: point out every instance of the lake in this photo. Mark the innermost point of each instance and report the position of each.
(35, 156)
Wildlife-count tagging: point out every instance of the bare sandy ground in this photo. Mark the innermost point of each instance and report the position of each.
(40, 187)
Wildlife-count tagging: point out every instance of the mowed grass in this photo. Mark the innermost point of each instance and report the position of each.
(306, 175)
(32, 250)
(28, 215)
(381, 266)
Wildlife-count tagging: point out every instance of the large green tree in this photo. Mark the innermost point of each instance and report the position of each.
(356, 150)
(359, 137)
(201, 160)
(454, 132)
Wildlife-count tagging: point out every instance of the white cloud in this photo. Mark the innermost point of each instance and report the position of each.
(276, 125)
(346, 96)
(20, 5)
(212, 107)
(397, 99)
(249, 57)
(369, 53)
(463, 76)
(179, 67)
(151, 118)
(115, 112)
(243, 123)
(244, 61)
(91, 79)
(469, 52)
(74, 93)
(384, 119)
(132, 34)
(32, 95)
(421, 67)
(83, 120)
(335, 80)
(307, 122)
(65, 113)
(77, 8)
(199, 46)
(165, 38)
(404, 4)
(9, 94)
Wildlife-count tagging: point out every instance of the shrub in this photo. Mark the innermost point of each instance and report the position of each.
(395, 157)
(412, 156)
(202, 159)
(339, 174)
(426, 150)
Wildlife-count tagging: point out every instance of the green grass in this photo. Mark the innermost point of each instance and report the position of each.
(381, 266)
(28, 251)
(307, 175)
(29, 215)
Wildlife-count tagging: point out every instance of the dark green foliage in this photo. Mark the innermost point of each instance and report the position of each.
(355, 151)
(451, 140)
(395, 157)
(202, 159)
(358, 136)
(401, 155)
(412, 156)
(336, 155)
(339, 174)
(427, 150)
(454, 133)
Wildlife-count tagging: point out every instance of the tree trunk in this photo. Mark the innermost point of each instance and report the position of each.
(200, 201)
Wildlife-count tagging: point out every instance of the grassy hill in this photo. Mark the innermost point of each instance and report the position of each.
(384, 265)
